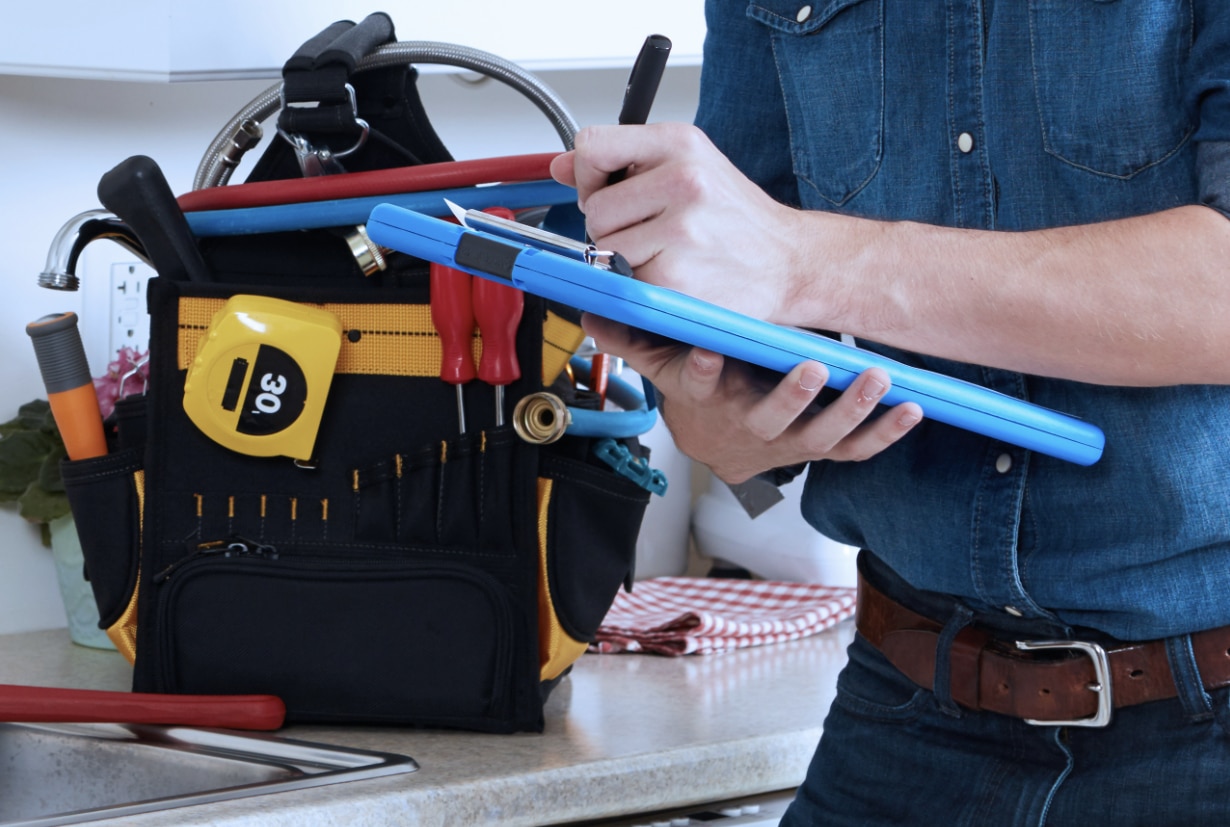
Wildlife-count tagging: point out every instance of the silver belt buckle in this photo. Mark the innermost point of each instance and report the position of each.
(1100, 685)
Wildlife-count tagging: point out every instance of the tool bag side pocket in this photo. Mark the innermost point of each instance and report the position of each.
(589, 518)
(106, 494)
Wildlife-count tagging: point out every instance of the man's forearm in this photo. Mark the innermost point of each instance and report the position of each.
(1140, 301)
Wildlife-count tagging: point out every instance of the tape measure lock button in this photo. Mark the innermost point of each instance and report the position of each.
(261, 376)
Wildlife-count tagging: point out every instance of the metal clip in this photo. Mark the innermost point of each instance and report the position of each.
(313, 160)
(135, 371)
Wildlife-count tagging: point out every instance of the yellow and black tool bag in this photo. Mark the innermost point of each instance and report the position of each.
(399, 570)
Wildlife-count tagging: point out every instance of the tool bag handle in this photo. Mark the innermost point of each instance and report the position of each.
(243, 130)
(320, 115)
(319, 74)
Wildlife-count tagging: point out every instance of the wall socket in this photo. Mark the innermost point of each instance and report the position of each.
(129, 315)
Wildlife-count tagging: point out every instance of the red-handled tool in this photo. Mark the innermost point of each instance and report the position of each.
(40, 704)
(452, 313)
(498, 309)
(70, 389)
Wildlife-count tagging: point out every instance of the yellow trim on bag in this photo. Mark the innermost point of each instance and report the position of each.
(123, 632)
(384, 339)
(560, 339)
(557, 650)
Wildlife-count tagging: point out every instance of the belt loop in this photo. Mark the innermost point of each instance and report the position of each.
(962, 616)
(1196, 701)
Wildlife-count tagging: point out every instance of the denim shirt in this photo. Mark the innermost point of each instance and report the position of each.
(1007, 115)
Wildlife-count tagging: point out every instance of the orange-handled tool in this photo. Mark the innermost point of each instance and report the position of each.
(452, 313)
(498, 309)
(70, 388)
(599, 376)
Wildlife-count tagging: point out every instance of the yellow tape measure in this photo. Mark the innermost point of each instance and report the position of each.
(261, 375)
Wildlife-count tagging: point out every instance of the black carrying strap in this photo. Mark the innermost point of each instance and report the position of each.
(315, 81)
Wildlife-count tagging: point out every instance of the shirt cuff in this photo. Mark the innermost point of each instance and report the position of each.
(781, 476)
(1213, 168)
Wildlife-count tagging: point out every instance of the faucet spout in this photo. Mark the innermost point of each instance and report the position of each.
(59, 273)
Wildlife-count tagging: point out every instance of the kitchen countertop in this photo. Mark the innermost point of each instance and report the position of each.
(624, 734)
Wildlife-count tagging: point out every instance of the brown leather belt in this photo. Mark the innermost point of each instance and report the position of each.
(1078, 688)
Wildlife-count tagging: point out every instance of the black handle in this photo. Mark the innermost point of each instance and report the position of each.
(137, 192)
(358, 42)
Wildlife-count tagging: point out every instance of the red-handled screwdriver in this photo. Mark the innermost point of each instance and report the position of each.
(498, 308)
(452, 313)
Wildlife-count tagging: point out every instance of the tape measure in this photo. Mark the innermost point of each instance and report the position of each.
(260, 378)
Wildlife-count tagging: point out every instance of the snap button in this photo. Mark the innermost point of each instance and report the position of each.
(1003, 464)
(965, 142)
(1014, 611)
(803, 14)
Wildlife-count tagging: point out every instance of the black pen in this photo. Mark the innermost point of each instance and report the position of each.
(642, 87)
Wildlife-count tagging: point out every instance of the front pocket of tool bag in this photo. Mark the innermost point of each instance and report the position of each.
(346, 636)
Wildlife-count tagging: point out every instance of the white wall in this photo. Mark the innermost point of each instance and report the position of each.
(57, 138)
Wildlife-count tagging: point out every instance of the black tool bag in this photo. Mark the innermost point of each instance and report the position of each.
(404, 572)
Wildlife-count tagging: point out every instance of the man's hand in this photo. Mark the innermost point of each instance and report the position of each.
(685, 218)
(721, 414)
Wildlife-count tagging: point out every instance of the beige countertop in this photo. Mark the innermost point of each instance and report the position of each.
(624, 734)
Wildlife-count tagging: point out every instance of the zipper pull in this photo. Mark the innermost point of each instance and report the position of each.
(234, 547)
(241, 546)
(201, 550)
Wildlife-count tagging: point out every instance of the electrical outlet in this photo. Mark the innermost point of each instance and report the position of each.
(129, 316)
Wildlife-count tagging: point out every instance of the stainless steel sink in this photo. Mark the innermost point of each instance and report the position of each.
(70, 773)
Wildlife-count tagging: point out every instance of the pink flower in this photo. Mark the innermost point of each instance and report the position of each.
(127, 375)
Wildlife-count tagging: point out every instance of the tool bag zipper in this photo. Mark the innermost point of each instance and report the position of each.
(235, 546)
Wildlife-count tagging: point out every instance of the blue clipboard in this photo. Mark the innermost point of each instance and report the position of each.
(559, 276)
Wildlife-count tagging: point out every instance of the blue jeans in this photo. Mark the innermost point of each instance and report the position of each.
(893, 753)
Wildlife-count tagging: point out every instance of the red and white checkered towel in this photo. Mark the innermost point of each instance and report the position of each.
(698, 615)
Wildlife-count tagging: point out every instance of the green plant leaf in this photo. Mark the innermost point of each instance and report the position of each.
(31, 416)
(39, 506)
(49, 472)
(21, 457)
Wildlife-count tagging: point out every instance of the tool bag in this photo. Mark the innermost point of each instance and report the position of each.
(401, 572)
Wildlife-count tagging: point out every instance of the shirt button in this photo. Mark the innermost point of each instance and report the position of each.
(1003, 464)
(965, 142)
(803, 14)
(1014, 611)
